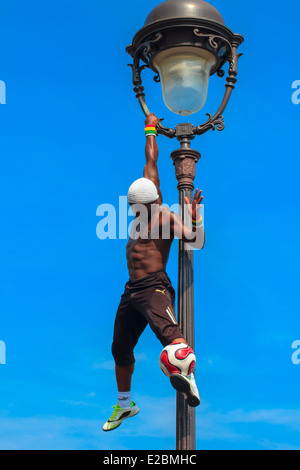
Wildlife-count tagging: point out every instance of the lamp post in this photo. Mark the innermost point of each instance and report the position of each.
(184, 42)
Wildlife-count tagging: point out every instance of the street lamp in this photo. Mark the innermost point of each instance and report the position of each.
(184, 42)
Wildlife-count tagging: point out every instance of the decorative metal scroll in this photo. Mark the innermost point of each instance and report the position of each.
(217, 45)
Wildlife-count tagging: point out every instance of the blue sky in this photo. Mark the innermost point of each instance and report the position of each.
(72, 139)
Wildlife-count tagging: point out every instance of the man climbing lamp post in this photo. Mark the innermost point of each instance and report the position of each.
(184, 43)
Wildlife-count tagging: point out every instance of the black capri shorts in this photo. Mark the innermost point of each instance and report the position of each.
(148, 300)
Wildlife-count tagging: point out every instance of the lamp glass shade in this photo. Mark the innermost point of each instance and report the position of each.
(184, 73)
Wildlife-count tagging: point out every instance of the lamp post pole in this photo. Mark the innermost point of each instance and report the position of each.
(185, 160)
(198, 31)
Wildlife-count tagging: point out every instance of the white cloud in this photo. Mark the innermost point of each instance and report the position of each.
(226, 426)
(279, 417)
(154, 424)
(46, 432)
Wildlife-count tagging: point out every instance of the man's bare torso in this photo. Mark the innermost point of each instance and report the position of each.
(146, 255)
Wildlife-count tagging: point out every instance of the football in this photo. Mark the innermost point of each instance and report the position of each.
(177, 359)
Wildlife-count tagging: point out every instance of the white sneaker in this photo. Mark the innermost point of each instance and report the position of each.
(188, 387)
(118, 416)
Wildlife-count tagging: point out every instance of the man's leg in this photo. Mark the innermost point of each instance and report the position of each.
(127, 329)
(182, 340)
(181, 374)
(158, 306)
(123, 377)
(124, 373)
(179, 340)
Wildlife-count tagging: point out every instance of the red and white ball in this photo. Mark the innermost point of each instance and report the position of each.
(177, 359)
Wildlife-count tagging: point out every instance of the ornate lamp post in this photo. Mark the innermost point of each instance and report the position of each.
(184, 42)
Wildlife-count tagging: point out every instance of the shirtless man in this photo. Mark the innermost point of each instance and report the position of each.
(149, 297)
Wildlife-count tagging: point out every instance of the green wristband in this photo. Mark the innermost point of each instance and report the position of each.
(197, 223)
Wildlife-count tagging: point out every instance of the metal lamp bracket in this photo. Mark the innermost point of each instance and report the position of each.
(225, 51)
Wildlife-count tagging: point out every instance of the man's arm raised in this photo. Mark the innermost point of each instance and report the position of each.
(151, 150)
(194, 236)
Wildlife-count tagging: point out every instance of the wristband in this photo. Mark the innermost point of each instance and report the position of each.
(150, 130)
(197, 223)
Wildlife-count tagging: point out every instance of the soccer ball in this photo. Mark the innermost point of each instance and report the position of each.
(177, 359)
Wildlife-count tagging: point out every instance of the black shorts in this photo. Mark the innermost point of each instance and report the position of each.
(150, 299)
